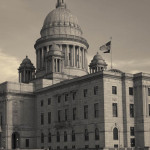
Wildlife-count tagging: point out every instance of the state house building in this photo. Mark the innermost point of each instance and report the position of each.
(59, 105)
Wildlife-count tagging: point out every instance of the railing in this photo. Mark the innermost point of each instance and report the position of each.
(62, 37)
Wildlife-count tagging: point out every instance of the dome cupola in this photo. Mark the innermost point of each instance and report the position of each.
(97, 64)
(26, 71)
(61, 41)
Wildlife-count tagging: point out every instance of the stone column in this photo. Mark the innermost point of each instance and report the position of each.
(79, 57)
(67, 54)
(24, 76)
(42, 57)
(60, 47)
(39, 60)
(74, 55)
(85, 59)
(56, 66)
(52, 64)
(83, 62)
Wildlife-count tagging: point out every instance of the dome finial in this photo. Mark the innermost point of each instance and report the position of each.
(61, 3)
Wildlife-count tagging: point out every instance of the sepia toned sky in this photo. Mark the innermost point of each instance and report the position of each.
(126, 21)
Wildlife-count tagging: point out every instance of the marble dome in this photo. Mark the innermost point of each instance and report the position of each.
(61, 21)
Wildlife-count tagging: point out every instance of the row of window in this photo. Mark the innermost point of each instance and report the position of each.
(86, 114)
(74, 114)
(73, 147)
(115, 110)
(66, 96)
(85, 92)
(114, 90)
(73, 135)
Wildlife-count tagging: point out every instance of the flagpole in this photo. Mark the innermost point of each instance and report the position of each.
(111, 52)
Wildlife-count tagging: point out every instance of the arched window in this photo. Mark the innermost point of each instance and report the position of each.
(42, 137)
(65, 136)
(86, 135)
(115, 134)
(58, 137)
(73, 136)
(49, 137)
(96, 134)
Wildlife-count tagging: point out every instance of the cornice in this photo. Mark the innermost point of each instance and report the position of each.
(61, 37)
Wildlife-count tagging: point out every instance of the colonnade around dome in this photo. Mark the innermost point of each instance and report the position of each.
(72, 56)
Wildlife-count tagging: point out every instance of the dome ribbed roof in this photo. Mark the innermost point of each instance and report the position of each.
(60, 15)
(98, 60)
(26, 63)
(63, 18)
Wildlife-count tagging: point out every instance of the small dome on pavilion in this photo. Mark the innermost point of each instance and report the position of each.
(54, 47)
(98, 60)
(26, 63)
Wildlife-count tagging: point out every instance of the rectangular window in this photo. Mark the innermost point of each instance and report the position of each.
(116, 146)
(115, 110)
(59, 99)
(96, 110)
(132, 142)
(95, 90)
(114, 90)
(86, 112)
(85, 92)
(27, 143)
(66, 97)
(148, 91)
(42, 103)
(66, 114)
(42, 118)
(132, 131)
(49, 101)
(130, 91)
(131, 110)
(49, 117)
(59, 115)
(149, 109)
(74, 95)
(74, 113)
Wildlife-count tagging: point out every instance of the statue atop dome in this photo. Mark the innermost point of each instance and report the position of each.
(61, 3)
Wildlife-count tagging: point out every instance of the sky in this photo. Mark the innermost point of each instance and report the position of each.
(126, 21)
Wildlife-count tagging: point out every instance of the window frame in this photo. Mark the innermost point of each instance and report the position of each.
(85, 111)
(85, 91)
(131, 110)
(115, 134)
(132, 132)
(115, 109)
(114, 90)
(131, 91)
